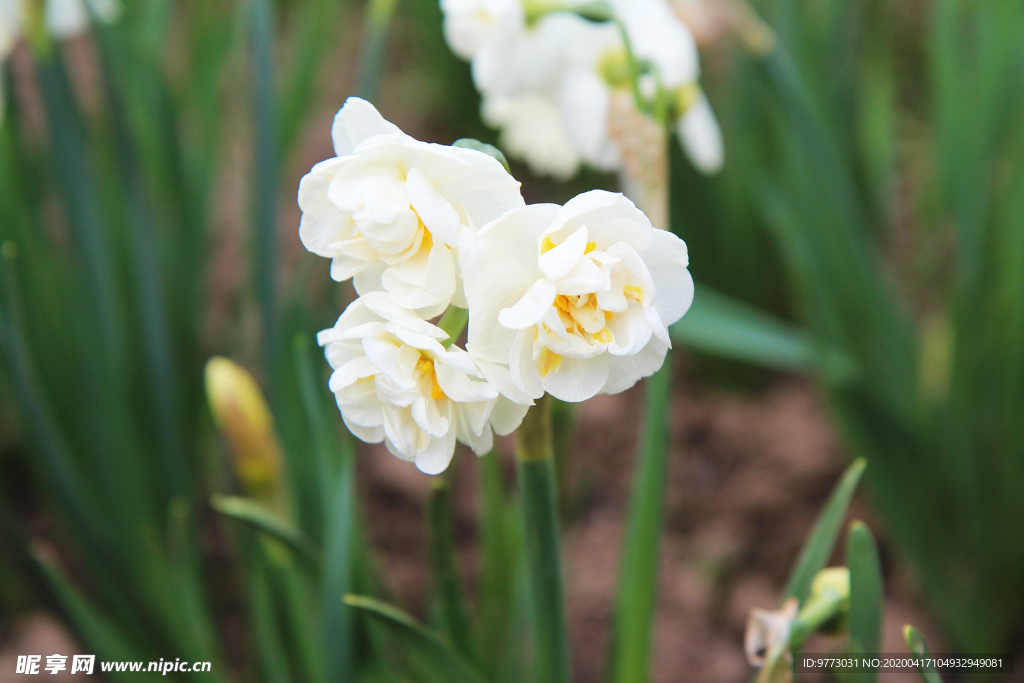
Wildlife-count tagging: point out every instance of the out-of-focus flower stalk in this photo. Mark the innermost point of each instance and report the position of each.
(241, 414)
(535, 455)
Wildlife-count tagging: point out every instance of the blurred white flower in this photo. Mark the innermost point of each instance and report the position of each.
(528, 59)
(471, 24)
(701, 136)
(62, 18)
(394, 382)
(393, 212)
(576, 300)
(532, 130)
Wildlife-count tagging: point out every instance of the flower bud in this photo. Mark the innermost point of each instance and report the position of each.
(241, 414)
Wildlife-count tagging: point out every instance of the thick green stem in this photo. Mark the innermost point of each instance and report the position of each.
(543, 552)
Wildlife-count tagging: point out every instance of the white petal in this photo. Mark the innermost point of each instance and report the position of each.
(498, 270)
(356, 122)
(352, 371)
(628, 370)
(398, 362)
(666, 260)
(522, 366)
(529, 310)
(458, 387)
(630, 332)
(437, 454)
(610, 217)
(701, 137)
(427, 280)
(558, 261)
(500, 377)
(434, 210)
(577, 380)
(506, 416)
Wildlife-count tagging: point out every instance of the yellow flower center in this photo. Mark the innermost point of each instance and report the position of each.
(425, 368)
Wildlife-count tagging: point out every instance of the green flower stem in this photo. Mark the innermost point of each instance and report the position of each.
(453, 322)
(543, 554)
(816, 613)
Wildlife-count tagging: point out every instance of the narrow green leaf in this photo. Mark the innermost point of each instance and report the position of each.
(443, 565)
(638, 576)
(867, 593)
(265, 620)
(264, 185)
(435, 658)
(720, 325)
(96, 631)
(263, 520)
(919, 648)
(340, 550)
(822, 540)
(375, 35)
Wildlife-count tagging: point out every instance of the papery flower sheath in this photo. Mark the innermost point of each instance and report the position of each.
(395, 382)
(577, 300)
(393, 212)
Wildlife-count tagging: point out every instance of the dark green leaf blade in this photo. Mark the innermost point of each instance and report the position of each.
(822, 540)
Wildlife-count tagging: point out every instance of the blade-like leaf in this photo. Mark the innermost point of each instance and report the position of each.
(822, 540)
(443, 565)
(720, 325)
(435, 658)
(866, 593)
(919, 648)
(266, 522)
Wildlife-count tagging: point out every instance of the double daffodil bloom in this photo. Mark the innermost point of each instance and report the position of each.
(576, 300)
(393, 212)
(395, 382)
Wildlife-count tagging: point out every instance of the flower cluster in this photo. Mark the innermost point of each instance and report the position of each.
(59, 18)
(571, 300)
(561, 86)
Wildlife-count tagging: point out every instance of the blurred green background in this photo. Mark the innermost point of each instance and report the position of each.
(867, 230)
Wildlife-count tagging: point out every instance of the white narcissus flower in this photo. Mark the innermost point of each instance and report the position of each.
(63, 19)
(532, 129)
(395, 382)
(576, 300)
(471, 24)
(393, 212)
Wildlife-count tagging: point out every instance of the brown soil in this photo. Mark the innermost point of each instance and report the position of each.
(748, 476)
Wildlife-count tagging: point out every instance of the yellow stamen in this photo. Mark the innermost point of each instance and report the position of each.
(549, 362)
(426, 366)
(604, 336)
(634, 292)
(546, 244)
(591, 246)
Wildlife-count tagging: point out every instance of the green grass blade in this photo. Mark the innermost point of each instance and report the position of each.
(720, 325)
(435, 659)
(539, 509)
(266, 522)
(375, 35)
(919, 648)
(97, 632)
(264, 187)
(443, 565)
(498, 604)
(638, 576)
(867, 593)
(340, 551)
(818, 547)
